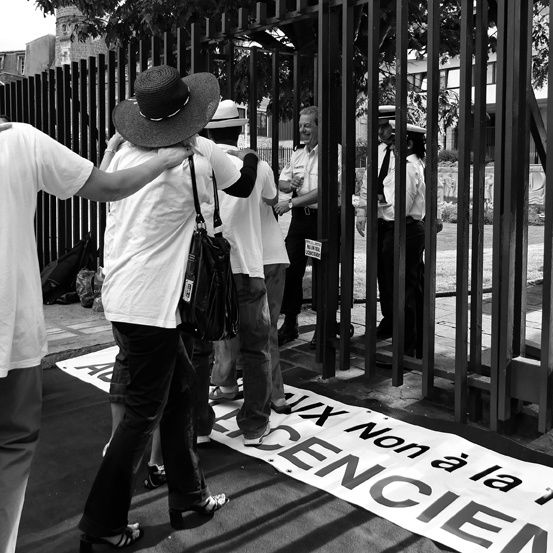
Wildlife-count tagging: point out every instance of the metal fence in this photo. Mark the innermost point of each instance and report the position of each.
(73, 103)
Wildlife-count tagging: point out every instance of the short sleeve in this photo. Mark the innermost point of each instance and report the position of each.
(226, 172)
(269, 189)
(60, 171)
(286, 173)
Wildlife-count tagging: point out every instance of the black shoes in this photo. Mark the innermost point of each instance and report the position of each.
(287, 333)
(156, 477)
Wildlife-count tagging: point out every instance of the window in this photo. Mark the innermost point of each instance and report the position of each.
(492, 73)
(20, 64)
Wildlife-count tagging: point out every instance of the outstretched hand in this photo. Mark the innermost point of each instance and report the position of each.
(242, 153)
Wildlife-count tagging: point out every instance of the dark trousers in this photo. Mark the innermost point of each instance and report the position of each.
(303, 226)
(414, 279)
(160, 389)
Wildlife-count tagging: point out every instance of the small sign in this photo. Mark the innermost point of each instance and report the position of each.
(188, 287)
(313, 248)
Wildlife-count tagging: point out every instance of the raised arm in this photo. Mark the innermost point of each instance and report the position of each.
(108, 187)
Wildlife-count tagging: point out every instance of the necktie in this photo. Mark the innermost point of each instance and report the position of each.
(383, 171)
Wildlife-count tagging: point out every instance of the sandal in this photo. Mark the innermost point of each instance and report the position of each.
(127, 538)
(218, 395)
(206, 507)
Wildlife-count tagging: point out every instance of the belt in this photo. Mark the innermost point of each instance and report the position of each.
(305, 210)
(408, 221)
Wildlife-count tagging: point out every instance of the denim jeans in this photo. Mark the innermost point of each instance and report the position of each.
(201, 354)
(160, 389)
(253, 340)
(20, 410)
(275, 276)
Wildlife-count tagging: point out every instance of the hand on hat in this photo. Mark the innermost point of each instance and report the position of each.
(174, 155)
(242, 153)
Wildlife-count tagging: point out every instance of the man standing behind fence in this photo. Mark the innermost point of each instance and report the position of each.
(31, 161)
(301, 178)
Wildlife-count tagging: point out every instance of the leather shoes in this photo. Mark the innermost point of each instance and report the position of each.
(287, 333)
(281, 409)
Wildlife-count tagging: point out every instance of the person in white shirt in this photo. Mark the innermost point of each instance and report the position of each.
(301, 178)
(147, 241)
(414, 246)
(31, 161)
(386, 167)
(242, 228)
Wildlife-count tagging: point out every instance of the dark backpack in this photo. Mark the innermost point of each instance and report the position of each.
(59, 276)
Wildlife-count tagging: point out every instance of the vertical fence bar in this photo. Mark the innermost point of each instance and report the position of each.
(85, 130)
(13, 102)
(479, 174)
(60, 136)
(463, 209)
(102, 124)
(112, 95)
(29, 95)
(546, 360)
(36, 99)
(373, 46)
(93, 139)
(230, 54)
(402, 45)
(52, 132)
(143, 55)
(275, 111)
(431, 179)
(499, 175)
(67, 100)
(296, 99)
(131, 55)
(121, 82)
(156, 51)
(167, 49)
(252, 104)
(181, 51)
(75, 143)
(523, 83)
(19, 101)
(347, 184)
(45, 200)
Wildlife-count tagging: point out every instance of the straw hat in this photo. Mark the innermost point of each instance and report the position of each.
(166, 109)
(226, 116)
(410, 128)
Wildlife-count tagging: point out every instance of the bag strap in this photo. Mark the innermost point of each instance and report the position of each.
(200, 221)
(217, 223)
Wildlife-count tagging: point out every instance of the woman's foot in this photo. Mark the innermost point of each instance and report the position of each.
(206, 507)
(131, 535)
(211, 504)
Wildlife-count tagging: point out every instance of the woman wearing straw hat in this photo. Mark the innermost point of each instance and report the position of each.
(146, 246)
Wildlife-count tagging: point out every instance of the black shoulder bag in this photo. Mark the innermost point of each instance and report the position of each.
(209, 301)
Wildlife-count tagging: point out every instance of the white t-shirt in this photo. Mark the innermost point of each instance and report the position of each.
(148, 235)
(242, 220)
(274, 248)
(30, 161)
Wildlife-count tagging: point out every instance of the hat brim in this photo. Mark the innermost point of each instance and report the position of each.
(193, 117)
(226, 123)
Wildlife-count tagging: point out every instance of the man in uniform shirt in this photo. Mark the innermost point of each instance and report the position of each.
(300, 177)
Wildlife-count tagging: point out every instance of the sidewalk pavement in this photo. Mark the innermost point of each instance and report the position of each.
(74, 330)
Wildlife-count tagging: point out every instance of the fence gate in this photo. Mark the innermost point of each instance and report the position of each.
(73, 104)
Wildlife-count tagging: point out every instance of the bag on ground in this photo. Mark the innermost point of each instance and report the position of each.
(59, 277)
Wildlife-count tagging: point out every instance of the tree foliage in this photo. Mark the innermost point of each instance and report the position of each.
(121, 20)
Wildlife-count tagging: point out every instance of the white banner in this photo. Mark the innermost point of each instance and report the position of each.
(435, 484)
